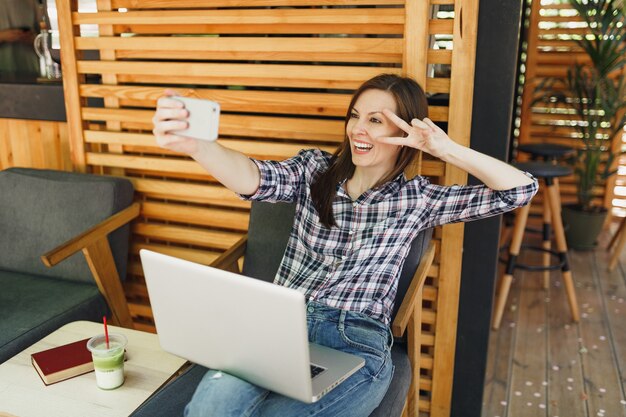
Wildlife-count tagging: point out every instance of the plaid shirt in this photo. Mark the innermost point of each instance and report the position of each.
(356, 265)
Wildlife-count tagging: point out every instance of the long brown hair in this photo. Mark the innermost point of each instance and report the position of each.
(410, 104)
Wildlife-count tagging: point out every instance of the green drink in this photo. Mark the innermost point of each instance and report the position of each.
(108, 362)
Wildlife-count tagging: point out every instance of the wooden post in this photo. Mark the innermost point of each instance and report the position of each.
(460, 122)
(71, 80)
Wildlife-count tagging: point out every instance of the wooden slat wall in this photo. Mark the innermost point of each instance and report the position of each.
(550, 52)
(34, 144)
(283, 72)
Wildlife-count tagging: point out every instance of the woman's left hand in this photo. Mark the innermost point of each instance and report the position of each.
(421, 134)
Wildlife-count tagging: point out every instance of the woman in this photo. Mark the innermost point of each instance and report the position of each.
(357, 215)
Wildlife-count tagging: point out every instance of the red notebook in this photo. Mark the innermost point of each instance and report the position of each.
(63, 362)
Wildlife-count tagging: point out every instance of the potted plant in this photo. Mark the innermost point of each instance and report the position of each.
(596, 95)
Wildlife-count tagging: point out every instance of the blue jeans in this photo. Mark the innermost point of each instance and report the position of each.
(223, 395)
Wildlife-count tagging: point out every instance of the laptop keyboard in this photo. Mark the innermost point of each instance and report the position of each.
(316, 370)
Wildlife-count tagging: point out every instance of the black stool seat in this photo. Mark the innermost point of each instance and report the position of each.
(546, 150)
(544, 169)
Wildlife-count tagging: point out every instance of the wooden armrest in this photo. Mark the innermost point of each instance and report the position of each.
(95, 246)
(417, 285)
(91, 236)
(228, 260)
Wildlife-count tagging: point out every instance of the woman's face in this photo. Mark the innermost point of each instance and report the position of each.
(366, 123)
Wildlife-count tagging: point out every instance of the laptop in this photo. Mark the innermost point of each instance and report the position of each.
(248, 328)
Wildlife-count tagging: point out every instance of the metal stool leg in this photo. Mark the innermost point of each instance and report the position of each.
(547, 239)
(505, 283)
(559, 234)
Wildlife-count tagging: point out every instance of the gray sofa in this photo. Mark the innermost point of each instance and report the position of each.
(40, 210)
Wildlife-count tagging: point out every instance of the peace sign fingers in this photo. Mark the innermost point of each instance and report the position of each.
(398, 121)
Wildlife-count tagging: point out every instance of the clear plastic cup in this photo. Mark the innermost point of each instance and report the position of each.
(108, 362)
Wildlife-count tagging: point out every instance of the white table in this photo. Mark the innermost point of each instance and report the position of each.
(23, 394)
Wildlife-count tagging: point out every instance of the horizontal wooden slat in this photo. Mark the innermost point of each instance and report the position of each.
(146, 327)
(239, 29)
(551, 71)
(204, 256)
(237, 125)
(185, 166)
(305, 21)
(563, 31)
(426, 383)
(184, 191)
(140, 310)
(428, 317)
(226, 219)
(134, 290)
(140, 142)
(438, 113)
(561, 43)
(269, 17)
(430, 293)
(549, 17)
(437, 85)
(304, 76)
(433, 168)
(427, 339)
(441, 27)
(556, 6)
(562, 58)
(192, 4)
(250, 48)
(188, 235)
(439, 56)
(284, 102)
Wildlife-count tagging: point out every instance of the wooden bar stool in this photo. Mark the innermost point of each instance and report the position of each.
(549, 152)
(548, 173)
(617, 243)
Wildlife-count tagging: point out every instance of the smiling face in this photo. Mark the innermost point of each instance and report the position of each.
(365, 124)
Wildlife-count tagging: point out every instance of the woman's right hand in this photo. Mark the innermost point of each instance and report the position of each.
(171, 115)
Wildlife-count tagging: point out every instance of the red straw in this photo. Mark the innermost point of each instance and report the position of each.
(106, 330)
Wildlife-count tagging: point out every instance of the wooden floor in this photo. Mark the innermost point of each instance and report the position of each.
(541, 363)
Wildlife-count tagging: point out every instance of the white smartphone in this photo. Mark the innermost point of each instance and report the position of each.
(204, 118)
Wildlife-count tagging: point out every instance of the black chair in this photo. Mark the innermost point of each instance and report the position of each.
(262, 249)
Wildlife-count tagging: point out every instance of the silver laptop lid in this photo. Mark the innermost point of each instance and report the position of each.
(246, 327)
